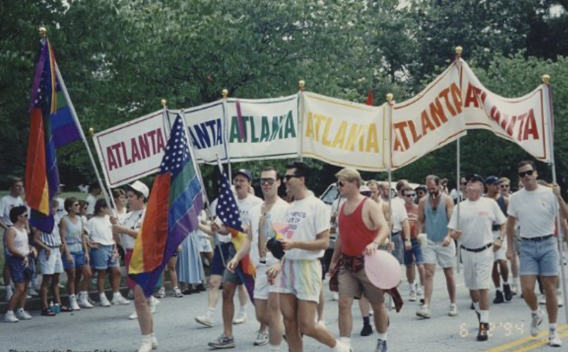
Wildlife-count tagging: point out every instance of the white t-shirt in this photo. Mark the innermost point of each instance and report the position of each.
(476, 221)
(61, 207)
(277, 214)
(6, 204)
(306, 219)
(244, 205)
(99, 230)
(132, 221)
(399, 214)
(535, 211)
(91, 201)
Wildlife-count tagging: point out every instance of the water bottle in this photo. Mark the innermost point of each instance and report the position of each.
(51, 308)
(57, 308)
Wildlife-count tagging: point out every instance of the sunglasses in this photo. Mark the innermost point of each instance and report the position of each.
(504, 186)
(464, 183)
(269, 181)
(412, 195)
(340, 184)
(288, 177)
(526, 173)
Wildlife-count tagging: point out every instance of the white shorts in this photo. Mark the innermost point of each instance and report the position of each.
(204, 244)
(501, 254)
(435, 253)
(301, 278)
(51, 265)
(477, 268)
(262, 288)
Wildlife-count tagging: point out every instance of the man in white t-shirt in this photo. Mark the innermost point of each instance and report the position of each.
(536, 207)
(304, 241)
(6, 204)
(476, 218)
(94, 192)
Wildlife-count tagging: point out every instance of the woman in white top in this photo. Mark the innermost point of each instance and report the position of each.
(21, 271)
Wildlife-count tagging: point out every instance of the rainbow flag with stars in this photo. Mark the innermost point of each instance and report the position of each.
(171, 215)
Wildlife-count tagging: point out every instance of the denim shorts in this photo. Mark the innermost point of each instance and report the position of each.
(78, 260)
(415, 254)
(398, 250)
(539, 257)
(101, 258)
(18, 271)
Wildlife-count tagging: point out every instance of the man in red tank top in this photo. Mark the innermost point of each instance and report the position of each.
(362, 228)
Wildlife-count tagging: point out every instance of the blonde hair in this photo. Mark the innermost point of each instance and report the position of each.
(504, 179)
(350, 175)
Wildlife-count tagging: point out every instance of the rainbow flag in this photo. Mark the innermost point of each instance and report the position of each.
(171, 215)
(228, 211)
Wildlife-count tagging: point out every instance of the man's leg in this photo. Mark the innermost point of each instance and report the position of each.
(308, 326)
(145, 321)
(101, 281)
(289, 308)
(549, 283)
(214, 284)
(228, 307)
(321, 305)
(45, 283)
(345, 317)
(528, 283)
(115, 275)
(381, 317)
(429, 270)
(451, 284)
(275, 328)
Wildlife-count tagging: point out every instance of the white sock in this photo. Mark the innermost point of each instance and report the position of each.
(505, 282)
(116, 294)
(476, 306)
(484, 316)
(21, 310)
(412, 286)
(535, 312)
(345, 340)
(274, 348)
(338, 346)
(382, 336)
(243, 310)
(552, 327)
(146, 338)
(211, 310)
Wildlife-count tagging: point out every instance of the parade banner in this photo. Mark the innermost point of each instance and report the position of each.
(343, 133)
(206, 124)
(525, 121)
(429, 120)
(262, 128)
(132, 150)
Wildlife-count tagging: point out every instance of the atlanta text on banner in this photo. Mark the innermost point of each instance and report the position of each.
(525, 120)
(206, 124)
(263, 129)
(344, 133)
(132, 150)
(429, 120)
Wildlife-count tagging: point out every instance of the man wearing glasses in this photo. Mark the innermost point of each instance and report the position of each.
(412, 251)
(461, 194)
(536, 208)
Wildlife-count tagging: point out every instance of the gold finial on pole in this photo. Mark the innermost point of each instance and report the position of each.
(302, 84)
(42, 32)
(546, 79)
(225, 93)
(390, 98)
(91, 131)
(459, 50)
(164, 103)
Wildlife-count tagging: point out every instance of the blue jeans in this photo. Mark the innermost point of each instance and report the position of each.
(413, 254)
(539, 257)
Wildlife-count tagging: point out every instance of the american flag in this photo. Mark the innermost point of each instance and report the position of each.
(227, 208)
(177, 151)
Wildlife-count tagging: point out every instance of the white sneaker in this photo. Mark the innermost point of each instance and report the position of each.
(453, 310)
(412, 296)
(83, 300)
(241, 318)
(73, 302)
(261, 338)
(335, 296)
(554, 339)
(343, 347)
(130, 294)
(154, 343)
(146, 346)
(424, 312)
(23, 315)
(419, 292)
(133, 316)
(10, 317)
(560, 300)
(161, 293)
(117, 299)
(32, 292)
(153, 302)
(205, 320)
(177, 293)
(535, 322)
(104, 300)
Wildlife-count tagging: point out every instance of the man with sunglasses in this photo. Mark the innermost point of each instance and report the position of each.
(505, 191)
(434, 213)
(305, 239)
(536, 208)
(475, 231)
(455, 194)
(412, 250)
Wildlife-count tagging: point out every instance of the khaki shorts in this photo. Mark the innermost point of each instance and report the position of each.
(435, 253)
(354, 285)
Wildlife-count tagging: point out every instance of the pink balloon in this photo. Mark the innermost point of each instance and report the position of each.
(383, 270)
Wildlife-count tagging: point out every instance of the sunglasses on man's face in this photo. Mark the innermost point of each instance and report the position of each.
(526, 173)
(269, 181)
(288, 177)
(464, 183)
(504, 186)
(410, 195)
(340, 184)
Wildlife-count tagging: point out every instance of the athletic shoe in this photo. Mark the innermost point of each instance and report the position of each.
(514, 289)
(535, 322)
(498, 298)
(560, 301)
(419, 291)
(32, 292)
(23, 315)
(104, 300)
(205, 320)
(261, 338)
(177, 293)
(10, 317)
(161, 293)
(367, 330)
(146, 346)
(130, 294)
(154, 341)
(117, 299)
(84, 300)
(483, 334)
(133, 316)
(73, 302)
(222, 342)
(334, 296)
(423, 312)
(153, 302)
(412, 296)
(241, 318)
(381, 346)
(508, 293)
(453, 310)
(554, 339)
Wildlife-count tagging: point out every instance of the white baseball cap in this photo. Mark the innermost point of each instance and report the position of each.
(140, 187)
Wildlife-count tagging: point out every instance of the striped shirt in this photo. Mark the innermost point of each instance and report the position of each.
(51, 239)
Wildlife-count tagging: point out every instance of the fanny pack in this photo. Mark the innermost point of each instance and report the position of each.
(353, 263)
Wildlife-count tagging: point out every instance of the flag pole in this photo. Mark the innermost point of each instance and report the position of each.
(546, 82)
(459, 51)
(390, 102)
(302, 85)
(225, 94)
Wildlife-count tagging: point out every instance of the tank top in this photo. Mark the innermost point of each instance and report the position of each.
(21, 242)
(355, 235)
(73, 237)
(436, 220)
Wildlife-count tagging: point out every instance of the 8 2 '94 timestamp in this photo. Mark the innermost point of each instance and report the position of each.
(504, 328)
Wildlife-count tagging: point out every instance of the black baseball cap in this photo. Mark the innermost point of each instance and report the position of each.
(492, 180)
(246, 173)
(476, 177)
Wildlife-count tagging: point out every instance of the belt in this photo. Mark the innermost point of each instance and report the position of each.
(262, 260)
(477, 250)
(536, 239)
(395, 233)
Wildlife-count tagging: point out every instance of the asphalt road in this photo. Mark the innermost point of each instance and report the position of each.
(101, 329)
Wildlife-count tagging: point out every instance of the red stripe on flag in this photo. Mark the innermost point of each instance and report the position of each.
(155, 230)
(370, 98)
(36, 178)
